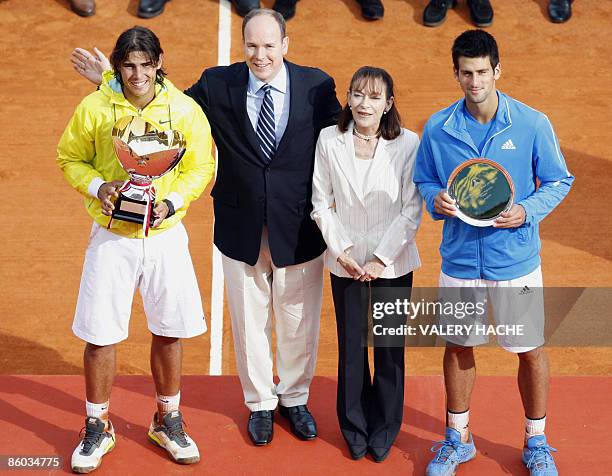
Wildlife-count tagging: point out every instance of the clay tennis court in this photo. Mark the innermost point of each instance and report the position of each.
(563, 70)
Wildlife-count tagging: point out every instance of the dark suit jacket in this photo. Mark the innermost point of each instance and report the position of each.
(246, 186)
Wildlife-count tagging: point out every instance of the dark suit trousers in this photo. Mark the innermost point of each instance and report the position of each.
(369, 411)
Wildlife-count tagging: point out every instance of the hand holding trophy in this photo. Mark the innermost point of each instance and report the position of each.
(481, 190)
(146, 154)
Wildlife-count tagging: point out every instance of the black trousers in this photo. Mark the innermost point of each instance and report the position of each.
(369, 410)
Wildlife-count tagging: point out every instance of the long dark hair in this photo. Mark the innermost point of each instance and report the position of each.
(391, 122)
(141, 39)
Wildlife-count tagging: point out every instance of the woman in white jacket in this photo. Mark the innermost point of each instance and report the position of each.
(368, 210)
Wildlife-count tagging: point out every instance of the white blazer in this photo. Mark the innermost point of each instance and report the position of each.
(377, 218)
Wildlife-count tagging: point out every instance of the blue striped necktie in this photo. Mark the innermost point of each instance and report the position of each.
(265, 124)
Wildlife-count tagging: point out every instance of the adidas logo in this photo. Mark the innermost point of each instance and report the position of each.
(508, 145)
(525, 290)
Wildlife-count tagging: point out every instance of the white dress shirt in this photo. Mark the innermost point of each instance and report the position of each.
(362, 167)
(280, 96)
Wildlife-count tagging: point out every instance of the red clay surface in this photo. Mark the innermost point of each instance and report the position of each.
(563, 70)
(560, 69)
(41, 415)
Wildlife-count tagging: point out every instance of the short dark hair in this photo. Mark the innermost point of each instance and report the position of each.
(265, 11)
(475, 44)
(391, 122)
(141, 39)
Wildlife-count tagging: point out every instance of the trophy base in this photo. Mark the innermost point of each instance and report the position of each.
(133, 210)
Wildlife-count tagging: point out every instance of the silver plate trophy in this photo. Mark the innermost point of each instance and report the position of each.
(146, 154)
(482, 190)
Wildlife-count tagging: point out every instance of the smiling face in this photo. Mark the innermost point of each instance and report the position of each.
(138, 75)
(477, 79)
(368, 101)
(264, 47)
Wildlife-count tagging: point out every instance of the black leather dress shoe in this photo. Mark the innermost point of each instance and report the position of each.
(559, 11)
(286, 8)
(261, 427)
(435, 12)
(245, 6)
(83, 8)
(150, 8)
(379, 454)
(481, 12)
(302, 423)
(372, 9)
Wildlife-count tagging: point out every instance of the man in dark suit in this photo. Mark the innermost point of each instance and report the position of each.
(266, 114)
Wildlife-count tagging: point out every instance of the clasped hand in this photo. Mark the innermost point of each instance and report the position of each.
(369, 272)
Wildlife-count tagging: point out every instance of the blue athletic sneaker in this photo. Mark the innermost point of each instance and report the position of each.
(450, 453)
(537, 457)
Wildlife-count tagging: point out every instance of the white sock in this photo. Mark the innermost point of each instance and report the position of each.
(167, 404)
(460, 422)
(97, 410)
(534, 427)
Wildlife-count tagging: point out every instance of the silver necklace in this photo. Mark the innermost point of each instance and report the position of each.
(365, 137)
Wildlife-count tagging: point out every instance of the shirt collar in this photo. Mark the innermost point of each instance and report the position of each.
(279, 82)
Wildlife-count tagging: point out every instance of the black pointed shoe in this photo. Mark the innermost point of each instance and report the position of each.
(286, 8)
(559, 11)
(303, 424)
(150, 8)
(435, 12)
(372, 9)
(358, 451)
(481, 12)
(245, 6)
(261, 427)
(379, 454)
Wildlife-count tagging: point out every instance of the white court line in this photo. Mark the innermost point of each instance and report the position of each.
(224, 41)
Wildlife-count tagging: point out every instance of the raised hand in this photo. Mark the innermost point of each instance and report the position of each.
(90, 66)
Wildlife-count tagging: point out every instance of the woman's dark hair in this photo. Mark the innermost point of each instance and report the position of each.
(475, 44)
(141, 39)
(391, 122)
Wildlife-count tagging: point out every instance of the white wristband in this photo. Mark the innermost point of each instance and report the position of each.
(176, 199)
(94, 186)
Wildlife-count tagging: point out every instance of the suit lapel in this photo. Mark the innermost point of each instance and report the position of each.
(346, 159)
(297, 103)
(238, 95)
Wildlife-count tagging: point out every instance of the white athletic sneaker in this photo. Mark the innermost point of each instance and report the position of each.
(171, 436)
(95, 444)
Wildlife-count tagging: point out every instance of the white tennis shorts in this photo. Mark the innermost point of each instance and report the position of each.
(515, 302)
(159, 266)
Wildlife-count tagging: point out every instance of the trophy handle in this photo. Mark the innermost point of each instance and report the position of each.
(135, 204)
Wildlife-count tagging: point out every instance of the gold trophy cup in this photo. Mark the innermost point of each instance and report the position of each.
(146, 154)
